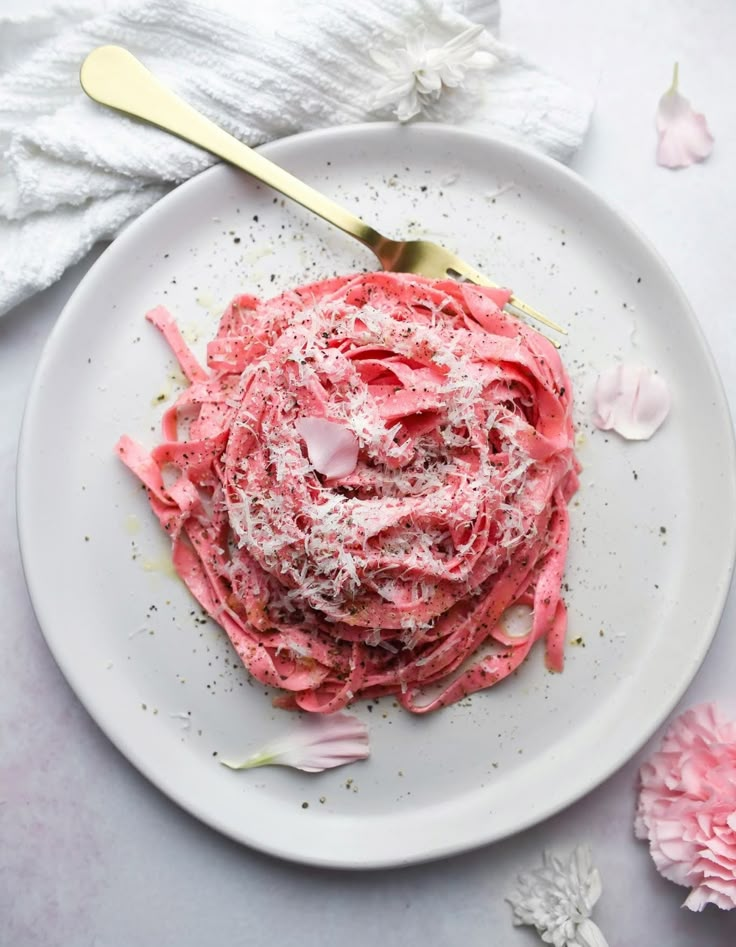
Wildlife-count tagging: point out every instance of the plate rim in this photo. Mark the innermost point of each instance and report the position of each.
(126, 747)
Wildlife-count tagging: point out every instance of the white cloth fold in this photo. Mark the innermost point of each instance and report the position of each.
(73, 173)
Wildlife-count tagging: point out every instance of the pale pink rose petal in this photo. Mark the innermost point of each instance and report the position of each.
(317, 743)
(631, 400)
(687, 807)
(684, 136)
(332, 448)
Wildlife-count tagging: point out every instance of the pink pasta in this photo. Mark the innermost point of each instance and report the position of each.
(443, 427)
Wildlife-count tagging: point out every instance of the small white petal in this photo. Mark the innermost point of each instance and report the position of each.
(464, 43)
(589, 934)
(428, 82)
(415, 47)
(408, 107)
(332, 448)
(393, 92)
(631, 400)
(317, 743)
(451, 75)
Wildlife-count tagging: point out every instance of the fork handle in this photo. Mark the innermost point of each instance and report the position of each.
(113, 77)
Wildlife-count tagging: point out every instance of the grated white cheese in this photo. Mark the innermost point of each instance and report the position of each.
(411, 506)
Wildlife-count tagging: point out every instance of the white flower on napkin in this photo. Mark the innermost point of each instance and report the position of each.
(416, 74)
(558, 899)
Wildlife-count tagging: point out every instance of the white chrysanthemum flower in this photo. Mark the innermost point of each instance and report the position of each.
(558, 899)
(417, 74)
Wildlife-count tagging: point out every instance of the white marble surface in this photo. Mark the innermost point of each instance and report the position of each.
(91, 854)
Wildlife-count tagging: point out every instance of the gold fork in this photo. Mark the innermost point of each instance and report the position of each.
(114, 77)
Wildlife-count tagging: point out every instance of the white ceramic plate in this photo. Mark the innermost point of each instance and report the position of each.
(653, 524)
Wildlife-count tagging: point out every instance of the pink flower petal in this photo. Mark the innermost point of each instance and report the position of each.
(684, 136)
(332, 448)
(317, 743)
(631, 400)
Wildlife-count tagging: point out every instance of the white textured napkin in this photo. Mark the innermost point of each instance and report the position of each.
(72, 172)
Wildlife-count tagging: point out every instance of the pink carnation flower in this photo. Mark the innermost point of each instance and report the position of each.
(687, 807)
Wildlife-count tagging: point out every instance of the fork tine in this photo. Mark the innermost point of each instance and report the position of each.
(528, 310)
(462, 269)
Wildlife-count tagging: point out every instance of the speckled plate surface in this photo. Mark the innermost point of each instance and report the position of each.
(653, 528)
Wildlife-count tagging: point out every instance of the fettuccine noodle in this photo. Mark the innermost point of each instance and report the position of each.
(442, 429)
